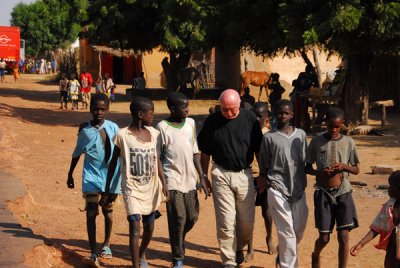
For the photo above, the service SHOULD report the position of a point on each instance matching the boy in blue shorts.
(143, 184)
(180, 157)
(95, 142)
(335, 156)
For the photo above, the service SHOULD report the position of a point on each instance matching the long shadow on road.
(119, 251)
(52, 117)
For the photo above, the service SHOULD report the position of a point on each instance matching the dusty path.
(36, 146)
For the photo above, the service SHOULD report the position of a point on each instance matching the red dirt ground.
(37, 139)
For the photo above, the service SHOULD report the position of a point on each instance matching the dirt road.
(36, 145)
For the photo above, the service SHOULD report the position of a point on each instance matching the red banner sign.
(9, 43)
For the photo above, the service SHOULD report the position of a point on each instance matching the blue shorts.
(2, 72)
(146, 219)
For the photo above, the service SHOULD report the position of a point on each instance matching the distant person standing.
(139, 83)
(302, 84)
(15, 72)
(21, 64)
(53, 66)
(98, 85)
(63, 91)
(48, 67)
(42, 66)
(277, 91)
(86, 81)
(247, 101)
(73, 88)
(3, 67)
(108, 86)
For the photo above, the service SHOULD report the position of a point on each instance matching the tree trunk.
(305, 57)
(171, 69)
(356, 90)
(317, 66)
(308, 62)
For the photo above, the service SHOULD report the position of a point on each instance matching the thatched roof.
(116, 52)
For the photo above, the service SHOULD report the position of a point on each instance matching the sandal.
(143, 263)
(91, 261)
(106, 253)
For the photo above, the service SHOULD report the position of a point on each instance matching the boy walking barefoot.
(180, 157)
(386, 223)
(261, 111)
(142, 181)
(335, 156)
(282, 161)
(73, 88)
(95, 142)
(63, 87)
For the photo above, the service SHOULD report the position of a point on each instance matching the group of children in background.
(162, 164)
(76, 91)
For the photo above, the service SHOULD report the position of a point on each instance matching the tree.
(49, 24)
(357, 30)
(178, 27)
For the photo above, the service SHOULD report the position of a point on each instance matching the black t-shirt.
(231, 143)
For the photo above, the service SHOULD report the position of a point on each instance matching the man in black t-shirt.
(231, 137)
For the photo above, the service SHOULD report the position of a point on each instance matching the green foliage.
(349, 27)
(347, 18)
(49, 24)
(173, 25)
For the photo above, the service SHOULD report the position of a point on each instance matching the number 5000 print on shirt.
(142, 162)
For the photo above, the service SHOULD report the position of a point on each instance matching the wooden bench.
(383, 104)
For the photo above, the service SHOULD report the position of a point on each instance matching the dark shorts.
(2, 72)
(326, 213)
(64, 95)
(146, 219)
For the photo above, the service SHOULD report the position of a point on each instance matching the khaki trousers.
(234, 203)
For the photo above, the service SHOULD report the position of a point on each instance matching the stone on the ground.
(382, 169)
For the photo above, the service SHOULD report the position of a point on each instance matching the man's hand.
(205, 185)
(70, 181)
(261, 183)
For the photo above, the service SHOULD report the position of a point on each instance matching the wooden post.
(100, 65)
(383, 121)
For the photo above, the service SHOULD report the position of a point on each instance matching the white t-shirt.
(141, 186)
(177, 145)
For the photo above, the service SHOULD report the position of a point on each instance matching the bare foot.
(314, 261)
(249, 256)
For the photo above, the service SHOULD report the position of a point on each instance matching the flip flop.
(143, 263)
(91, 261)
(106, 253)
